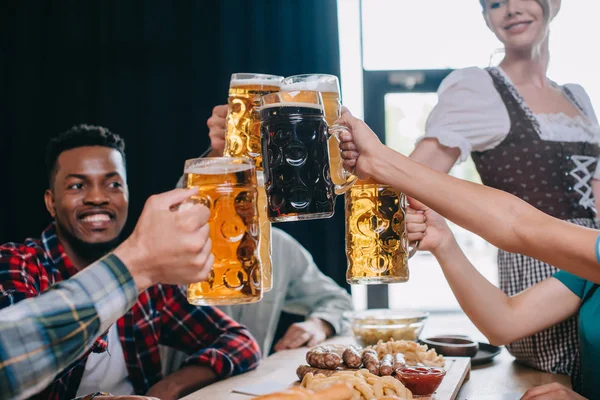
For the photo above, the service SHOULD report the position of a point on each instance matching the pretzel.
(366, 386)
(413, 352)
(339, 391)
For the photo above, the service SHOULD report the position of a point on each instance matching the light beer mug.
(242, 139)
(295, 137)
(329, 87)
(227, 186)
(377, 247)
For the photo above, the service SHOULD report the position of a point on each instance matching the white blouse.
(471, 115)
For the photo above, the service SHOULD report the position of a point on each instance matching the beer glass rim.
(278, 95)
(204, 162)
(251, 75)
(309, 75)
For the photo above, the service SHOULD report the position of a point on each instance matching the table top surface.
(501, 376)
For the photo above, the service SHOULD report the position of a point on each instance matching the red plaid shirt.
(161, 315)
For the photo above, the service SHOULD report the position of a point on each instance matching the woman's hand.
(426, 226)
(358, 145)
(552, 391)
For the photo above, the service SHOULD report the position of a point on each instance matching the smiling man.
(88, 199)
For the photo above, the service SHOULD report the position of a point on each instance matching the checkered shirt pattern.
(555, 349)
(160, 315)
(39, 338)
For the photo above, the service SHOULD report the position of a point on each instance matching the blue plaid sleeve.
(43, 335)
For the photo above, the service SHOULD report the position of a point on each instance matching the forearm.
(502, 219)
(183, 382)
(487, 306)
(331, 310)
(60, 325)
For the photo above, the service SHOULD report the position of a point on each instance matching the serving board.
(457, 372)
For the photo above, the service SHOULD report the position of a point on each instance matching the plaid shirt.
(161, 315)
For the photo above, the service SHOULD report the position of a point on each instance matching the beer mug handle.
(335, 130)
(413, 251)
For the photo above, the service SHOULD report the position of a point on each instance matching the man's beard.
(90, 251)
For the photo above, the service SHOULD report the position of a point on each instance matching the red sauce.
(421, 381)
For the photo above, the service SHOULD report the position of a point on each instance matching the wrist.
(375, 161)
(136, 261)
(325, 326)
(447, 247)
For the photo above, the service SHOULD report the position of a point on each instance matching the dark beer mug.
(295, 137)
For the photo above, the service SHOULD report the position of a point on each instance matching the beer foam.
(254, 82)
(294, 104)
(317, 85)
(217, 169)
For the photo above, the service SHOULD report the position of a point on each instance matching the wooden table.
(501, 376)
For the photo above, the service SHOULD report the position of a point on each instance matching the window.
(394, 53)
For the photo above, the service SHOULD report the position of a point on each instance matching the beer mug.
(377, 247)
(227, 186)
(242, 138)
(329, 87)
(265, 234)
(295, 147)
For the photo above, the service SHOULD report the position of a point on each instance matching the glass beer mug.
(376, 244)
(227, 186)
(329, 87)
(242, 139)
(296, 162)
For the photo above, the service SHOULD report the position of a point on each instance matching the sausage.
(323, 357)
(371, 361)
(351, 357)
(399, 361)
(385, 367)
(305, 369)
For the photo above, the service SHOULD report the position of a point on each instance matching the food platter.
(387, 370)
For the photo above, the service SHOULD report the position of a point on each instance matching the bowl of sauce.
(421, 381)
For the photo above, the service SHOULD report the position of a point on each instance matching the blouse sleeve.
(588, 109)
(584, 101)
(470, 114)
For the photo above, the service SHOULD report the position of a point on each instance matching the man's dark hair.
(80, 136)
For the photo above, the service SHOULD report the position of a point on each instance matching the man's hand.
(169, 246)
(126, 398)
(216, 130)
(552, 391)
(310, 332)
(183, 382)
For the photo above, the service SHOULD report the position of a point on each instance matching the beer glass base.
(223, 301)
(290, 218)
(376, 280)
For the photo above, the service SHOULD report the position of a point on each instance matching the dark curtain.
(150, 71)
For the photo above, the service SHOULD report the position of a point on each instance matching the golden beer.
(227, 186)
(243, 121)
(329, 87)
(242, 139)
(376, 242)
(265, 234)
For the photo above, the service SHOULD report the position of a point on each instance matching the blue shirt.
(589, 331)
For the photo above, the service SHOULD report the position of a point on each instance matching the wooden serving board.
(458, 370)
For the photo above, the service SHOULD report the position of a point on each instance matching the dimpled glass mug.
(377, 248)
(227, 186)
(297, 167)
